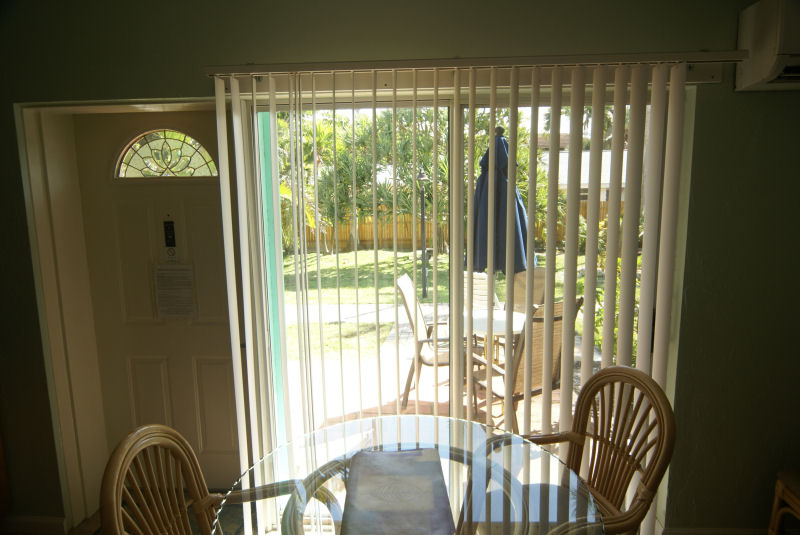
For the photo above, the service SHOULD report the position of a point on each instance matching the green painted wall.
(738, 363)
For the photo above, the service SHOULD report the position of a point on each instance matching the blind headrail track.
(699, 61)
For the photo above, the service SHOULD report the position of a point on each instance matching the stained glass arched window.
(165, 153)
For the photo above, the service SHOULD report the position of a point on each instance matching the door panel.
(205, 246)
(148, 386)
(157, 366)
(133, 241)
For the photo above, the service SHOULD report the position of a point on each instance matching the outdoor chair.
(427, 351)
(480, 291)
(153, 478)
(515, 366)
(480, 301)
(520, 286)
(624, 421)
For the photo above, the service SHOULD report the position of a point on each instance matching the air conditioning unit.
(770, 31)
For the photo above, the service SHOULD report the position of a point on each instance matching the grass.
(322, 277)
(331, 289)
(351, 341)
(325, 287)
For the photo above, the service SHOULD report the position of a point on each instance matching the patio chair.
(521, 283)
(514, 367)
(480, 291)
(153, 479)
(480, 301)
(625, 422)
(426, 350)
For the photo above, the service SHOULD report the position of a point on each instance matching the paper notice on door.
(174, 291)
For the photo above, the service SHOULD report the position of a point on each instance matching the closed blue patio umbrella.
(481, 212)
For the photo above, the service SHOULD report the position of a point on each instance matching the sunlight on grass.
(324, 285)
(350, 336)
(328, 288)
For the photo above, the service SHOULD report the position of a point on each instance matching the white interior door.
(156, 266)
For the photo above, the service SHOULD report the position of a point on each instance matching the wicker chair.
(626, 422)
(479, 376)
(786, 500)
(153, 478)
(426, 350)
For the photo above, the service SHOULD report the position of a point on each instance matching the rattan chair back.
(624, 419)
(151, 480)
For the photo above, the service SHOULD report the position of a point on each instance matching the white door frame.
(46, 141)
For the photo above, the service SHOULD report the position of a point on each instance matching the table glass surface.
(309, 484)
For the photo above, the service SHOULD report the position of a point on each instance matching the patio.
(361, 397)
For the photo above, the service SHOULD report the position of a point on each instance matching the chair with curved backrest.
(426, 349)
(153, 478)
(479, 377)
(150, 482)
(624, 420)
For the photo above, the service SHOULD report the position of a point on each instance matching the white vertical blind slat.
(260, 419)
(295, 168)
(457, 249)
(434, 227)
(631, 214)
(550, 252)
(354, 224)
(593, 220)
(613, 226)
(415, 210)
(490, 232)
(653, 173)
(571, 246)
(263, 363)
(244, 193)
(394, 240)
(231, 276)
(335, 173)
(378, 379)
(669, 216)
(317, 248)
(273, 119)
(652, 190)
(468, 298)
(511, 209)
(533, 168)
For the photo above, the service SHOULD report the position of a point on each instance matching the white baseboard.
(713, 531)
(29, 525)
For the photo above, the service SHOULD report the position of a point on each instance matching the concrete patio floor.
(378, 386)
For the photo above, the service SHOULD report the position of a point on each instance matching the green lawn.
(343, 289)
(323, 279)
(350, 340)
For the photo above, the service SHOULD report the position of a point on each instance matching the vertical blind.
(324, 160)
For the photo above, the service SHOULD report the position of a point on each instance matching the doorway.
(115, 359)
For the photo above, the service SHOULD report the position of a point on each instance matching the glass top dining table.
(409, 474)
